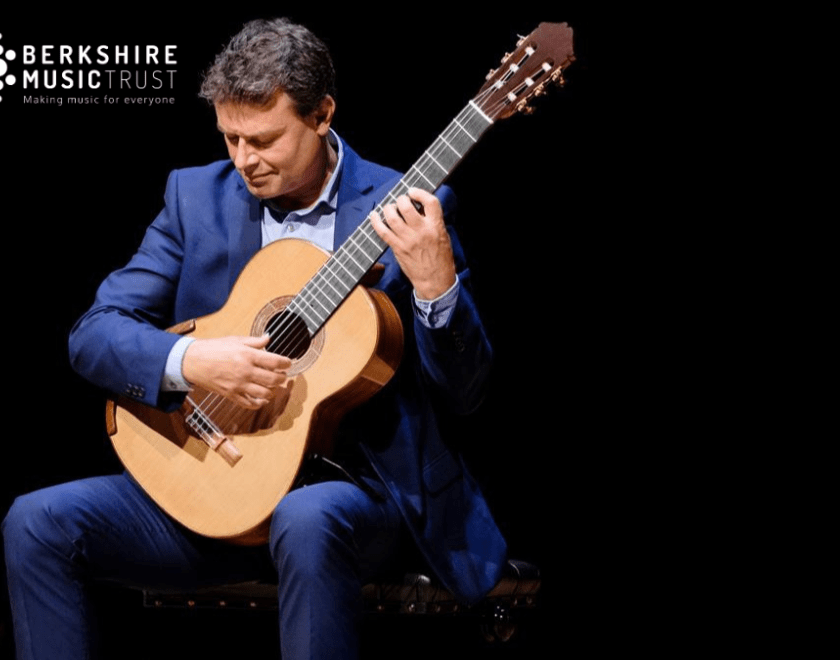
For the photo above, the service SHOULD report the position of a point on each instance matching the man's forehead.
(255, 118)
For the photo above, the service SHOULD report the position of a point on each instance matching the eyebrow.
(256, 136)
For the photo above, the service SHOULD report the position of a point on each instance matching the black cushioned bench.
(410, 594)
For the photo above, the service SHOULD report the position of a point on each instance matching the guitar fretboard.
(337, 278)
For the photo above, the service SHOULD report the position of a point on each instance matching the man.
(288, 175)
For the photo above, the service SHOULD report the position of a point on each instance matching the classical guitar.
(220, 469)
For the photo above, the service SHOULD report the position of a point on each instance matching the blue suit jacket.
(185, 268)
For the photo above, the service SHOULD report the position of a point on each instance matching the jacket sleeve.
(456, 358)
(120, 344)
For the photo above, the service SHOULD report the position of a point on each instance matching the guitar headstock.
(538, 60)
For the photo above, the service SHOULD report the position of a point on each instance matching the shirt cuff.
(173, 376)
(436, 313)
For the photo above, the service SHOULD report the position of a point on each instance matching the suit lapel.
(356, 194)
(245, 237)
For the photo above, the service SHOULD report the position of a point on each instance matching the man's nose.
(246, 157)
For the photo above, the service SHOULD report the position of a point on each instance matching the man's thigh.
(111, 530)
(338, 520)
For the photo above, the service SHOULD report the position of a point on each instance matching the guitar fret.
(480, 112)
(463, 128)
(370, 253)
(444, 157)
(318, 289)
(310, 317)
(478, 119)
(424, 177)
(370, 235)
(315, 299)
(434, 160)
(360, 265)
(400, 189)
(345, 266)
(337, 281)
(329, 282)
(462, 138)
(442, 139)
(324, 295)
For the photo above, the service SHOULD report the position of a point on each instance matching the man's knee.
(307, 515)
(308, 527)
(32, 527)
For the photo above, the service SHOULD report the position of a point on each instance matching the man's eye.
(233, 139)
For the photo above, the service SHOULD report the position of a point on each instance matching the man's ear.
(322, 115)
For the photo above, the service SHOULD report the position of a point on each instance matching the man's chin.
(260, 189)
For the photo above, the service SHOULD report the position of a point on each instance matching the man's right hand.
(237, 368)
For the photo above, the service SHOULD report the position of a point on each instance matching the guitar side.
(349, 359)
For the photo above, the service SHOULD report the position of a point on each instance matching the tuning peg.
(520, 41)
(490, 74)
(557, 77)
(524, 108)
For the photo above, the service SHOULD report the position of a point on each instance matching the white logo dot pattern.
(5, 77)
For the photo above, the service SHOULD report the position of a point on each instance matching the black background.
(539, 200)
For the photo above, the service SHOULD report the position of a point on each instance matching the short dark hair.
(271, 56)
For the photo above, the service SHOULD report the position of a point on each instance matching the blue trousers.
(326, 539)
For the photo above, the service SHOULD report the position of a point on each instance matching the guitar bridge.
(207, 431)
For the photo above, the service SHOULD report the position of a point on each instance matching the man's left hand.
(419, 241)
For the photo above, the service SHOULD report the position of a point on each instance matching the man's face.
(278, 153)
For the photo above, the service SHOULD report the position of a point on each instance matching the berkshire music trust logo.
(5, 79)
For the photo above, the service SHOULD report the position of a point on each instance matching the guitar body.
(347, 361)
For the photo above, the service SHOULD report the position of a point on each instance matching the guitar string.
(280, 328)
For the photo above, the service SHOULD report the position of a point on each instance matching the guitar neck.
(337, 278)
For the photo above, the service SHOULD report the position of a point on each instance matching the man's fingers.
(256, 342)
(423, 196)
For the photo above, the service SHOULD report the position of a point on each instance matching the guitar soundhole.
(289, 335)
